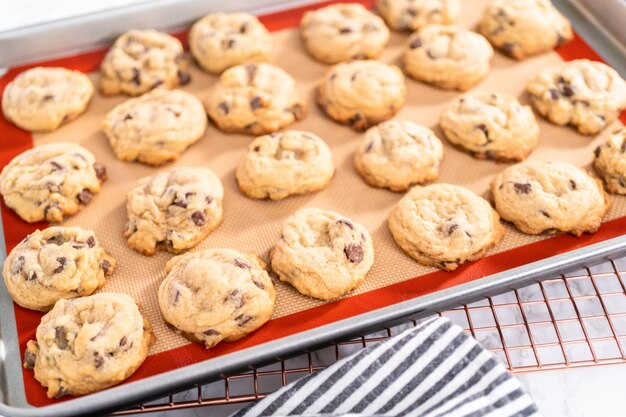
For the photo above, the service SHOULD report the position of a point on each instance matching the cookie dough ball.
(410, 15)
(88, 344)
(221, 40)
(41, 99)
(255, 99)
(361, 93)
(174, 210)
(585, 94)
(447, 57)
(141, 60)
(215, 295)
(444, 225)
(341, 32)
(322, 254)
(610, 162)
(520, 28)
(550, 197)
(491, 126)
(55, 263)
(398, 154)
(285, 163)
(155, 128)
(51, 181)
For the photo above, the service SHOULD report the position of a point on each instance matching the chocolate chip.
(228, 43)
(18, 265)
(105, 265)
(176, 297)
(545, 213)
(208, 199)
(156, 84)
(257, 148)
(508, 48)
(55, 240)
(573, 184)
(258, 284)
(85, 196)
(567, 90)
(597, 151)
(345, 30)
(33, 276)
(101, 171)
(243, 319)
(48, 97)
(452, 228)
(199, 218)
(369, 146)
(554, 94)
(241, 264)
(180, 202)
(416, 43)
(98, 360)
(522, 188)
(62, 261)
(622, 183)
(346, 222)
(123, 341)
(354, 253)
(60, 338)
(136, 77)
(355, 119)
(184, 77)
(29, 359)
(483, 128)
(50, 207)
(623, 147)
(243, 28)
(224, 106)
(62, 392)
(211, 332)
(255, 103)
(56, 166)
(238, 299)
(251, 69)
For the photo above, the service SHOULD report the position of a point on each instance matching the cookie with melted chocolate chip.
(610, 162)
(88, 344)
(550, 197)
(51, 181)
(174, 210)
(322, 254)
(444, 225)
(216, 295)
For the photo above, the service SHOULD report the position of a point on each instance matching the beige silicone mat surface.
(253, 226)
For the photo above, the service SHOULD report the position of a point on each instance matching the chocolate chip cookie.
(361, 93)
(610, 162)
(174, 210)
(141, 60)
(410, 15)
(444, 225)
(42, 99)
(285, 163)
(215, 295)
(155, 128)
(341, 32)
(322, 254)
(398, 154)
(585, 94)
(491, 126)
(55, 263)
(51, 181)
(447, 57)
(255, 99)
(550, 197)
(221, 40)
(88, 344)
(520, 28)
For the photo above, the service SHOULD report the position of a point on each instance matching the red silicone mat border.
(14, 141)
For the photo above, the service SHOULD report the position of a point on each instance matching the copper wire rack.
(572, 320)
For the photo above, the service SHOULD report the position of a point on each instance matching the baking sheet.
(251, 225)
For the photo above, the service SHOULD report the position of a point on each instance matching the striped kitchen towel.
(433, 370)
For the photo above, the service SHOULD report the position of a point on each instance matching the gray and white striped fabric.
(433, 370)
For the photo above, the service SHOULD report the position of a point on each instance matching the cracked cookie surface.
(585, 94)
(255, 99)
(55, 263)
(88, 344)
(491, 126)
(174, 210)
(41, 99)
(156, 127)
(410, 15)
(216, 294)
(444, 225)
(610, 162)
(447, 57)
(520, 28)
(141, 60)
(322, 253)
(549, 197)
(221, 40)
(341, 32)
(361, 94)
(285, 163)
(51, 181)
(398, 154)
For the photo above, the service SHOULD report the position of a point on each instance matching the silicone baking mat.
(254, 226)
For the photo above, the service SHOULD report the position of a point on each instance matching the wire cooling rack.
(572, 320)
